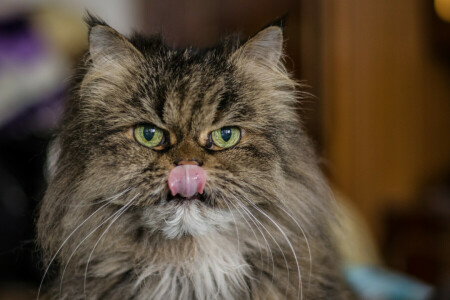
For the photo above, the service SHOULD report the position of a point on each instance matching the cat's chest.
(216, 269)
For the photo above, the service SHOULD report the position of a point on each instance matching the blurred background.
(379, 71)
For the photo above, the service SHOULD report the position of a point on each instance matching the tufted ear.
(108, 48)
(266, 47)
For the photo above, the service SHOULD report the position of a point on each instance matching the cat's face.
(142, 109)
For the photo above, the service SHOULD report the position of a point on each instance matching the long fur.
(106, 226)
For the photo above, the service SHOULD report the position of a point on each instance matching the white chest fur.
(216, 270)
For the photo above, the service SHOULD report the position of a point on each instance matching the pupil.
(148, 133)
(225, 133)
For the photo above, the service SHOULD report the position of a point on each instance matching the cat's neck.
(210, 266)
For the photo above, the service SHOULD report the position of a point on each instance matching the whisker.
(235, 225)
(300, 294)
(251, 228)
(264, 237)
(88, 204)
(70, 235)
(278, 245)
(79, 245)
(307, 244)
(120, 213)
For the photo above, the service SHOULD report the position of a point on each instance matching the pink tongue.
(187, 180)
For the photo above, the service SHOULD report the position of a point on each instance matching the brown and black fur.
(266, 203)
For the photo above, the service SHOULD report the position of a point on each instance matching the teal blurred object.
(376, 283)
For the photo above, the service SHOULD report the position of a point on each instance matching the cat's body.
(260, 228)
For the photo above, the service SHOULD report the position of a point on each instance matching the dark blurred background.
(379, 71)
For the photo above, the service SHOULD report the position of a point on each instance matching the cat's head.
(185, 135)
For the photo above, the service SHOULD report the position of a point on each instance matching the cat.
(185, 174)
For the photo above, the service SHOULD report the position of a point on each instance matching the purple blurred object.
(18, 42)
(32, 87)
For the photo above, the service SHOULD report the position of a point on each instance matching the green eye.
(148, 135)
(226, 137)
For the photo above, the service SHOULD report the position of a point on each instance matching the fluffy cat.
(185, 174)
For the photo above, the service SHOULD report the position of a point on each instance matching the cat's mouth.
(180, 199)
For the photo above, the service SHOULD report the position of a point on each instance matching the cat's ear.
(266, 47)
(108, 48)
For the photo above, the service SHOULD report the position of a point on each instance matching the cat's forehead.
(190, 90)
(194, 67)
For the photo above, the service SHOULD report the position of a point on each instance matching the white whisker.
(113, 198)
(235, 225)
(79, 245)
(307, 244)
(276, 242)
(251, 228)
(250, 215)
(120, 213)
(300, 294)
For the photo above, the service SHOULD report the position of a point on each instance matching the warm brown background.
(386, 114)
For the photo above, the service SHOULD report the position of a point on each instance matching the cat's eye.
(226, 137)
(149, 135)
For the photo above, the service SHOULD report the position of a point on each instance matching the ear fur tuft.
(93, 20)
(278, 22)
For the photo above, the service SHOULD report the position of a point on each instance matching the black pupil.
(149, 132)
(225, 133)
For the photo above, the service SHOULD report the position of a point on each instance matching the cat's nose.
(187, 180)
(193, 161)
